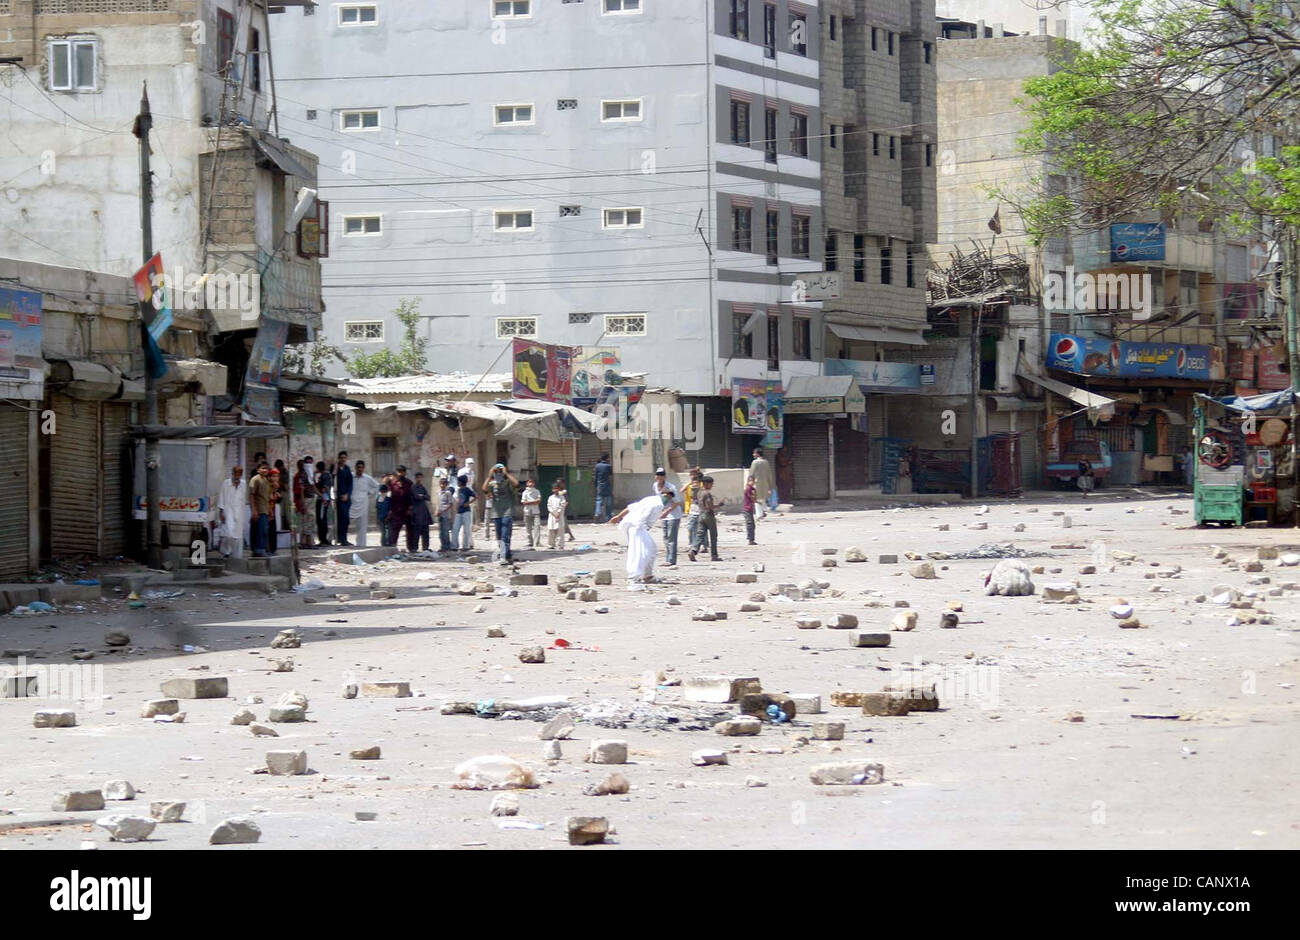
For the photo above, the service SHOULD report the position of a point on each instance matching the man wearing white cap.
(672, 519)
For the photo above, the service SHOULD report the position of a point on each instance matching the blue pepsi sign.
(1137, 241)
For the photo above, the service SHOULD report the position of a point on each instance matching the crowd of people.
(326, 501)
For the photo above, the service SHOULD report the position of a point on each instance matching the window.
(773, 342)
(625, 324)
(511, 9)
(893, 143)
(570, 211)
(741, 231)
(740, 122)
(566, 104)
(834, 137)
(622, 218)
(802, 338)
(874, 33)
(225, 40)
(798, 34)
(769, 30)
(891, 42)
(800, 227)
(859, 259)
(513, 114)
(516, 326)
(886, 265)
(925, 47)
(72, 64)
(358, 14)
(359, 120)
(622, 6)
(798, 134)
(739, 23)
(911, 270)
(773, 236)
(364, 331)
(311, 112)
(875, 144)
(255, 60)
(832, 251)
(769, 135)
(626, 110)
(362, 225)
(742, 343)
(929, 154)
(834, 29)
(512, 221)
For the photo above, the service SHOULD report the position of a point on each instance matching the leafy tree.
(311, 358)
(1168, 110)
(411, 357)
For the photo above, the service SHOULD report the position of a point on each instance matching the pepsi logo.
(1066, 348)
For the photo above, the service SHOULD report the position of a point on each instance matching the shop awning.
(85, 380)
(169, 432)
(824, 394)
(275, 153)
(1077, 395)
(902, 335)
(1148, 411)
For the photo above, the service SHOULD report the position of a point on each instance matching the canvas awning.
(574, 419)
(545, 426)
(878, 334)
(168, 432)
(1007, 403)
(1079, 396)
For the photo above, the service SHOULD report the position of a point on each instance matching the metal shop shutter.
(590, 447)
(851, 456)
(14, 530)
(558, 453)
(811, 451)
(74, 478)
(115, 511)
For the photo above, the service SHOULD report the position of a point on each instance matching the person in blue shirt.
(604, 487)
(463, 532)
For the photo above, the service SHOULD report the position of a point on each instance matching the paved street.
(997, 765)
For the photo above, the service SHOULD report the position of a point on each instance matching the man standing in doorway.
(501, 488)
(604, 474)
(232, 507)
(761, 471)
(343, 496)
(361, 500)
(259, 500)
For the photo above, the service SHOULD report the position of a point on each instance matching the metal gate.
(810, 452)
(114, 510)
(15, 531)
(75, 479)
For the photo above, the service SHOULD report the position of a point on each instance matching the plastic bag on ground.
(493, 772)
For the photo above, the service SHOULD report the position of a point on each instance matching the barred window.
(516, 326)
(364, 331)
(625, 324)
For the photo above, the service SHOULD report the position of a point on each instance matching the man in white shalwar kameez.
(635, 522)
(364, 490)
(232, 510)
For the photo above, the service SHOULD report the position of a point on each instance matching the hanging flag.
(995, 223)
(155, 312)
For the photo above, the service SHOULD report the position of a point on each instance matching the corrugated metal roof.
(446, 384)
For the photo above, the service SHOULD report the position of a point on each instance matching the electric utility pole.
(152, 455)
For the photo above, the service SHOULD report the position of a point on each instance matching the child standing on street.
(747, 506)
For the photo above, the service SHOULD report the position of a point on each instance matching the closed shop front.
(115, 418)
(809, 451)
(852, 453)
(72, 500)
(15, 533)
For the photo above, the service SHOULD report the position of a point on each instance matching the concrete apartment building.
(706, 186)
(1204, 287)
